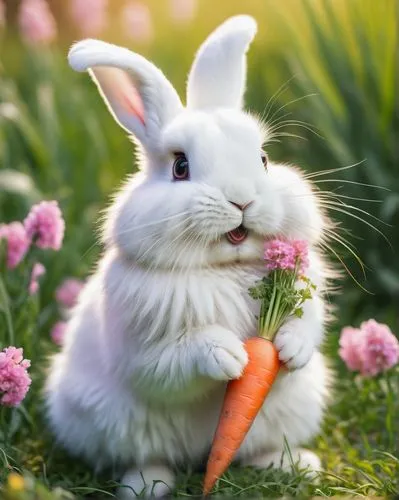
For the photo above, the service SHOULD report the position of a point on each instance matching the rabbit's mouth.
(237, 235)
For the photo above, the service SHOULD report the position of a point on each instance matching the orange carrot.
(286, 262)
(243, 399)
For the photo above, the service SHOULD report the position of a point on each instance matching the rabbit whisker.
(332, 170)
(334, 195)
(330, 206)
(330, 249)
(292, 102)
(269, 125)
(344, 181)
(276, 94)
(288, 134)
(339, 203)
(295, 123)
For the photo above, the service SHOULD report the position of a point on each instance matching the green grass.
(57, 141)
(358, 446)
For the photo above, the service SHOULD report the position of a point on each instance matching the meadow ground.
(358, 447)
(320, 71)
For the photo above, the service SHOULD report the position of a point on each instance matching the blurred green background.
(321, 72)
(323, 75)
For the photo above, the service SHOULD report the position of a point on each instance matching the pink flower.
(2, 13)
(36, 22)
(58, 332)
(370, 349)
(37, 271)
(350, 342)
(282, 254)
(18, 242)
(45, 223)
(89, 15)
(137, 23)
(301, 254)
(68, 292)
(14, 378)
(380, 348)
(183, 11)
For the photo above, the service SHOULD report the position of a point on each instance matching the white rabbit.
(158, 329)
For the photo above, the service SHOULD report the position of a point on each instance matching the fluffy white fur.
(220, 58)
(158, 329)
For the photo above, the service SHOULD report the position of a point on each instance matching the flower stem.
(390, 411)
(264, 319)
(276, 306)
(5, 306)
(4, 425)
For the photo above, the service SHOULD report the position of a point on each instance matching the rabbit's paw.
(152, 481)
(224, 356)
(294, 344)
(297, 458)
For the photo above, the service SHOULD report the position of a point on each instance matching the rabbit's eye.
(265, 159)
(181, 169)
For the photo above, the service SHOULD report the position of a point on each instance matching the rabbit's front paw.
(224, 356)
(294, 344)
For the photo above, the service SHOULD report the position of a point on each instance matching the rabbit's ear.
(136, 92)
(217, 77)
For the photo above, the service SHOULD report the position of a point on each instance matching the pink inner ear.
(132, 103)
(120, 91)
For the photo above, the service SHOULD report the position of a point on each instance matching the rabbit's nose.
(241, 207)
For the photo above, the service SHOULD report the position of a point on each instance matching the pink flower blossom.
(282, 254)
(67, 293)
(183, 11)
(14, 378)
(18, 242)
(37, 271)
(89, 15)
(380, 348)
(301, 254)
(58, 332)
(45, 223)
(370, 349)
(350, 343)
(2, 13)
(136, 21)
(36, 22)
